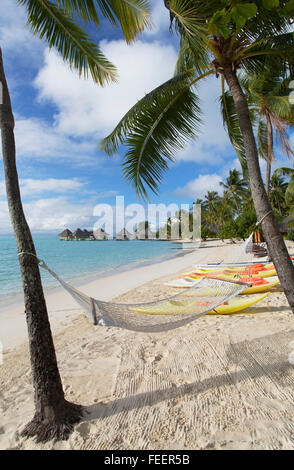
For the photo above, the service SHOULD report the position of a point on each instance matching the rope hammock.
(163, 315)
(204, 296)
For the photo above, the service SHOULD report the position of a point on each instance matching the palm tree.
(54, 21)
(235, 188)
(268, 95)
(214, 41)
(211, 205)
(289, 194)
(278, 187)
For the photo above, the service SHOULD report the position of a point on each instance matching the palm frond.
(274, 51)
(85, 10)
(281, 127)
(129, 121)
(192, 55)
(131, 15)
(164, 129)
(70, 40)
(231, 124)
(159, 125)
(262, 139)
(284, 171)
(281, 106)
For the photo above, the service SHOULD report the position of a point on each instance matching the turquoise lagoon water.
(76, 260)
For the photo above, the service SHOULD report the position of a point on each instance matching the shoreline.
(78, 281)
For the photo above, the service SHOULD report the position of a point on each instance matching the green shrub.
(229, 229)
(290, 235)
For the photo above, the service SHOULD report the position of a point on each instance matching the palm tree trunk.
(53, 414)
(275, 242)
(270, 153)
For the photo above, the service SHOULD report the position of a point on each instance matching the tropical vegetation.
(222, 217)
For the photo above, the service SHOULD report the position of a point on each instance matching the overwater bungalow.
(100, 234)
(79, 234)
(124, 235)
(146, 235)
(65, 235)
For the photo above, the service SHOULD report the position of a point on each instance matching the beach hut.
(87, 233)
(80, 234)
(146, 235)
(65, 235)
(124, 235)
(286, 225)
(100, 234)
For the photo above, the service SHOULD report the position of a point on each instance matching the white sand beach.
(221, 382)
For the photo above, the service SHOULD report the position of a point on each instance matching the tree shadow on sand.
(265, 357)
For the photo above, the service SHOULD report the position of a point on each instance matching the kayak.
(237, 305)
(255, 267)
(234, 266)
(258, 285)
(264, 273)
(186, 307)
(270, 282)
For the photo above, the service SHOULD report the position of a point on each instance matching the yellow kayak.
(232, 268)
(254, 289)
(237, 304)
(187, 307)
(271, 282)
(188, 282)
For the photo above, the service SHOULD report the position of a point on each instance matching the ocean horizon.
(75, 261)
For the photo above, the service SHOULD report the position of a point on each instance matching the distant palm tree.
(278, 187)
(289, 194)
(235, 188)
(58, 22)
(211, 205)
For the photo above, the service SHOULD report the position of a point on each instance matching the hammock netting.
(163, 315)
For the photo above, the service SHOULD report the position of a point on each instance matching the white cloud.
(52, 214)
(33, 187)
(198, 187)
(84, 108)
(160, 19)
(212, 142)
(37, 139)
(15, 36)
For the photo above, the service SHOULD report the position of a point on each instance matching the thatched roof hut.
(286, 225)
(80, 234)
(146, 235)
(65, 235)
(100, 234)
(124, 235)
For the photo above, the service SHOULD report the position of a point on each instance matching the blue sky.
(60, 120)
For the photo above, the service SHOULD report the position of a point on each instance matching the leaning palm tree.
(216, 38)
(268, 94)
(59, 23)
